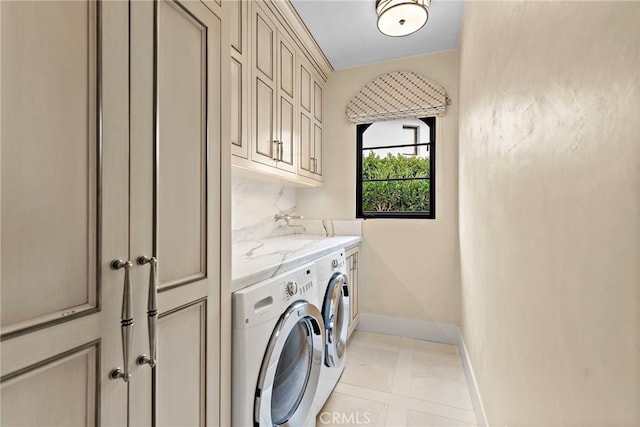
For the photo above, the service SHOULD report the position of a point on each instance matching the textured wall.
(549, 210)
(410, 267)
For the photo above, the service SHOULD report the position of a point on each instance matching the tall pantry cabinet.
(110, 127)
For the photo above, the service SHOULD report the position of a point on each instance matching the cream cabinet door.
(265, 147)
(175, 209)
(286, 96)
(306, 165)
(240, 81)
(310, 121)
(64, 211)
(110, 137)
(318, 140)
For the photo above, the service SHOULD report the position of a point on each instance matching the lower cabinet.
(352, 266)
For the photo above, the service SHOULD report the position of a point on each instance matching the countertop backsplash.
(330, 227)
(255, 203)
(253, 206)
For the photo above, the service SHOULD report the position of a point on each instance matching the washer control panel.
(338, 262)
(292, 288)
(328, 265)
(299, 285)
(268, 299)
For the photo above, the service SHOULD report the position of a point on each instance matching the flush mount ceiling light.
(401, 17)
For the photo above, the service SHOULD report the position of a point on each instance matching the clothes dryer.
(332, 282)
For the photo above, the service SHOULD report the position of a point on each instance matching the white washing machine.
(332, 281)
(278, 351)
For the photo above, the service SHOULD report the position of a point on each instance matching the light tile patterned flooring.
(395, 381)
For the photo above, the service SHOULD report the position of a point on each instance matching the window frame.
(360, 129)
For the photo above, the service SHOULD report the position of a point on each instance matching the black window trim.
(360, 129)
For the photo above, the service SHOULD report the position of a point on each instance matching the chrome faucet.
(287, 217)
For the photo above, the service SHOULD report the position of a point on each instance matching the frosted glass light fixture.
(401, 17)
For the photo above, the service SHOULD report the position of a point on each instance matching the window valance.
(397, 95)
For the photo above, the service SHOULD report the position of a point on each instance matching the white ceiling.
(346, 31)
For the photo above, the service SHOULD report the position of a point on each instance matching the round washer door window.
(290, 369)
(336, 319)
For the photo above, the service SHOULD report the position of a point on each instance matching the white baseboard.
(402, 327)
(474, 391)
(429, 331)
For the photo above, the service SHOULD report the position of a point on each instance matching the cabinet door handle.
(152, 312)
(126, 322)
(275, 150)
(315, 165)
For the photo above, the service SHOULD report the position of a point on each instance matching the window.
(396, 169)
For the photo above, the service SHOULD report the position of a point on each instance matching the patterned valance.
(398, 95)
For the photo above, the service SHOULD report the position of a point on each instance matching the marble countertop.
(260, 259)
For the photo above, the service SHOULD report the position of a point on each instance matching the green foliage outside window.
(395, 196)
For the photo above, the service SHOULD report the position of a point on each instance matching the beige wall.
(549, 210)
(410, 267)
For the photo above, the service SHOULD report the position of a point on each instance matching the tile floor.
(394, 381)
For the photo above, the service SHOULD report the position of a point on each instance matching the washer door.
(291, 368)
(335, 312)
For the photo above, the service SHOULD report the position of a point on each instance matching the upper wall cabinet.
(277, 88)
